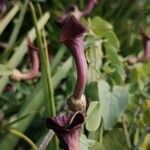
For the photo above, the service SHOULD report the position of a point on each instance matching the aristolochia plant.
(67, 124)
(146, 50)
(34, 58)
(146, 45)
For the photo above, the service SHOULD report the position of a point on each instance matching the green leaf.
(93, 116)
(92, 91)
(94, 55)
(97, 146)
(15, 32)
(145, 117)
(100, 25)
(115, 140)
(111, 39)
(10, 15)
(104, 29)
(146, 90)
(112, 103)
(85, 143)
(115, 61)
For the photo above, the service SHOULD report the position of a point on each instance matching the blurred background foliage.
(118, 116)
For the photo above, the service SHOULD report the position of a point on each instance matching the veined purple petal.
(67, 129)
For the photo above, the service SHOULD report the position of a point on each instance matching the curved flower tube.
(146, 44)
(72, 37)
(33, 53)
(89, 7)
(146, 54)
(3, 6)
(67, 129)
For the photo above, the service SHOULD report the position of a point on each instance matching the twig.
(21, 135)
(126, 132)
(46, 140)
(101, 132)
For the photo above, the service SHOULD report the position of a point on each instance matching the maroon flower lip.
(34, 58)
(67, 129)
(146, 44)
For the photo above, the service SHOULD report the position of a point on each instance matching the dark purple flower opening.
(146, 44)
(67, 129)
(72, 37)
(34, 58)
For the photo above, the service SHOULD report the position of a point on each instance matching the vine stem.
(101, 133)
(46, 140)
(46, 75)
(126, 132)
(21, 135)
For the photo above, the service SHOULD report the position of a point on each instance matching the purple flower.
(146, 44)
(3, 6)
(72, 36)
(67, 129)
(33, 53)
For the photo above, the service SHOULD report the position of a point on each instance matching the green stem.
(101, 132)
(10, 15)
(15, 32)
(21, 135)
(126, 132)
(46, 74)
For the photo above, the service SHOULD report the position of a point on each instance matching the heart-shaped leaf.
(112, 103)
(93, 116)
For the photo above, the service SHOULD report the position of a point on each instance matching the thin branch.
(21, 135)
(126, 132)
(46, 140)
